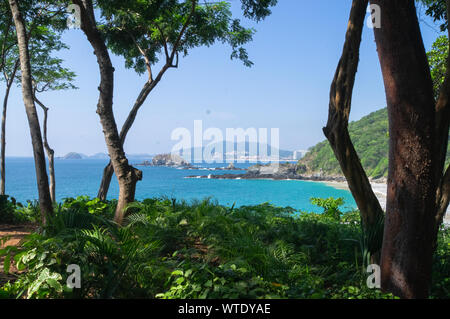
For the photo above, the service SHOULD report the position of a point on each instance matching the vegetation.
(161, 248)
(419, 123)
(371, 140)
(169, 249)
(370, 135)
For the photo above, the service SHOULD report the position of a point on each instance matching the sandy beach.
(380, 191)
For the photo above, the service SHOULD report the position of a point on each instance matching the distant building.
(299, 154)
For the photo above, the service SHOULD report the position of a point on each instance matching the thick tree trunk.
(9, 83)
(127, 175)
(337, 128)
(409, 235)
(50, 152)
(45, 201)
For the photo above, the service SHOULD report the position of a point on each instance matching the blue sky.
(295, 51)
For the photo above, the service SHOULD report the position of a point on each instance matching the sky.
(295, 52)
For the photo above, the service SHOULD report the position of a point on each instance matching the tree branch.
(183, 30)
(336, 130)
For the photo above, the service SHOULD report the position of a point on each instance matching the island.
(166, 160)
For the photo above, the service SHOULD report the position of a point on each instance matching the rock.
(171, 160)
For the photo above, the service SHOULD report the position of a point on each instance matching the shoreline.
(380, 190)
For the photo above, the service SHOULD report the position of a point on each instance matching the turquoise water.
(82, 177)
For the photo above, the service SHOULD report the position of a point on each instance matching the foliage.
(437, 58)
(12, 212)
(437, 9)
(144, 31)
(371, 140)
(45, 20)
(330, 206)
(170, 249)
(370, 135)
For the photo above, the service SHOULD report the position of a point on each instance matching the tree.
(175, 22)
(47, 72)
(146, 32)
(127, 175)
(419, 126)
(337, 133)
(49, 75)
(418, 191)
(45, 201)
(9, 64)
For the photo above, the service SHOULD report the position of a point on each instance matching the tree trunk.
(409, 235)
(146, 90)
(441, 141)
(45, 201)
(337, 133)
(127, 175)
(50, 152)
(9, 83)
(3, 142)
(108, 170)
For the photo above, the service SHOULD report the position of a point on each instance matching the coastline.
(380, 190)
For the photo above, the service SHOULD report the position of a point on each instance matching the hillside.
(371, 140)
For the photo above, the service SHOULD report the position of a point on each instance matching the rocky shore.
(290, 171)
(282, 171)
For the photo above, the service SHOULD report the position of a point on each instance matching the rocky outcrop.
(167, 160)
(276, 171)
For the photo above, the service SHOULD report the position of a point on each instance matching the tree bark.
(108, 170)
(336, 130)
(127, 175)
(50, 152)
(409, 235)
(45, 201)
(441, 141)
(146, 90)
(9, 83)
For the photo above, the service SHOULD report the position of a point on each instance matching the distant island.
(73, 156)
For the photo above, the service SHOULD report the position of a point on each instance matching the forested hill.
(370, 138)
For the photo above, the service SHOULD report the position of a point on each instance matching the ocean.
(82, 177)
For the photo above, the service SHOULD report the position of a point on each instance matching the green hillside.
(371, 140)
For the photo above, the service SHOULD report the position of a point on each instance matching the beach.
(380, 190)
